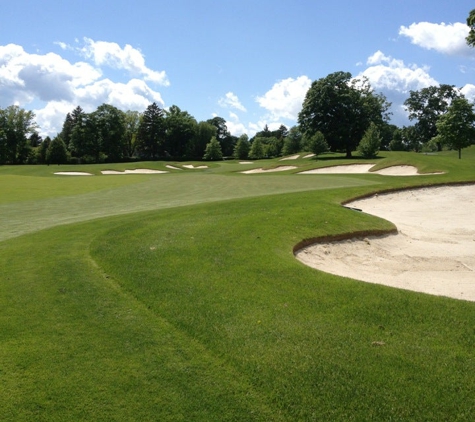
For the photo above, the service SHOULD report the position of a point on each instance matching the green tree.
(42, 149)
(273, 146)
(397, 143)
(57, 153)
(213, 150)
(132, 122)
(256, 152)
(70, 121)
(16, 124)
(342, 109)
(426, 106)
(317, 143)
(180, 131)
(110, 126)
(241, 149)
(457, 127)
(85, 141)
(204, 132)
(370, 143)
(471, 24)
(226, 140)
(293, 141)
(151, 133)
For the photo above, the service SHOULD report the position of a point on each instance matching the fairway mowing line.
(154, 193)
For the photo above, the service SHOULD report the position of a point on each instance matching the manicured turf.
(197, 310)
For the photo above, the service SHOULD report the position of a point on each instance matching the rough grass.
(197, 310)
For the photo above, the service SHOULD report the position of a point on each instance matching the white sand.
(349, 169)
(168, 166)
(292, 157)
(73, 173)
(366, 168)
(191, 166)
(309, 156)
(135, 171)
(245, 162)
(261, 170)
(434, 251)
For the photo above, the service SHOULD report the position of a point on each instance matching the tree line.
(339, 114)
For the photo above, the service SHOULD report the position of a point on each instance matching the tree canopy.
(471, 24)
(426, 106)
(342, 109)
(457, 127)
(16, 124)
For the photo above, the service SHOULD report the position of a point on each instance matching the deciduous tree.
(57, 152)
(426, 106)
(241, 149)
(342, 109)
(180, 130)
(457, 127)
(471, 24)
(16, 124)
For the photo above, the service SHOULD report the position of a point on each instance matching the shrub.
(370, 143)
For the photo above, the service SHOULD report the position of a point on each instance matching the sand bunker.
(73, 173)
(261, 170)
(433, 252)
(366, 168)
(168, 166)
(309, 156)
(245, 162)
(293, 157)
(135, 171)
(191, 166)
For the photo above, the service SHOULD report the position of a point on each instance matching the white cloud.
(444, 38)
(235, 127)
(128, 58)
(386, 73)
(469, 92)
(59, 85)
(284, 100)
(395, 79)
(48, 77)
(232, 101)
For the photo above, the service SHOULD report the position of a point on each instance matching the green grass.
(184, 301)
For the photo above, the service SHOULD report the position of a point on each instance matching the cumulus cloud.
(110, 54)
(48, 77)
(232, 101)
(60, 85)
(235, 127)
(284, 100)
(444, 38)
(387, 73)
(395, 79)
(469, 92)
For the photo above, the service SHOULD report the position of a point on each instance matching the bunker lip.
(261, 170)
(134, 171)
(73, 173)
(402, 170)
(432, 251)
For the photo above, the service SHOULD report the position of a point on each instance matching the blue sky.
(250, 62)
